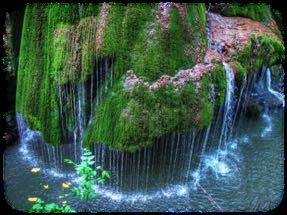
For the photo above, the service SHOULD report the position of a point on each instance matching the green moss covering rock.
(131, 120)
(256, 11)
(59, 48)
(262, 50)
(36, 87)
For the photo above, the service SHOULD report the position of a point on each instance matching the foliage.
(41, 207)
(88, 176)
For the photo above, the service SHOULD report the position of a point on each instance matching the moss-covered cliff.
(170, 87)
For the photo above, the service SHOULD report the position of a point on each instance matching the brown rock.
(228, 34)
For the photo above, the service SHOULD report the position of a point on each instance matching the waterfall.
(228, 106)
(279, 96)
(172, 158)
(239, 103)
(204, 146)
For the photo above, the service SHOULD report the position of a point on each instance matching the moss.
(268, 52)
(271, 51)
(64, 69)
(159, 51)
(89, 9)
(130, 121)
(255, 11)
(36, 87)
(108, 113)
(172, 43)
(195, 33)
(205, 106)
(218, 78)
(86, 30)
(134, 21)
(112, 31)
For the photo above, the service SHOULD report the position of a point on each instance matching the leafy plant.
(41, 207)
(88, 176)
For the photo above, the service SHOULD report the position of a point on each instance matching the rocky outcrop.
(212, 55)
(228, 34)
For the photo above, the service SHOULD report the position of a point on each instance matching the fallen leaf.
(32, 199)
(35, 169)
(66, 185)
(46, 186)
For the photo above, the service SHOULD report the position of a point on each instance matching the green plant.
(41, 207)
(88, 176)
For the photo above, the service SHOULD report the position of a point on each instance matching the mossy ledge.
(261, 50)
(260, 12)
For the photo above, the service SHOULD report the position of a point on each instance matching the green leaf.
(50, 207)
(88, 184)
(101, 181)
(68, 161)
(40, 201)
(87, 153)
(105, 174)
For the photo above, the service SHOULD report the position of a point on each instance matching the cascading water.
(228, 106)
(216, 159)
(146, 169)
(76, 105)
(280, 96)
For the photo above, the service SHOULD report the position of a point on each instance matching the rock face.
(227, 34)
(212, 55)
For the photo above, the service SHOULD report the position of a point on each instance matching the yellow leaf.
(60, 197)
(46, 186)
(32, 199)
(64, 202)
(66, 185)
(35, 169)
